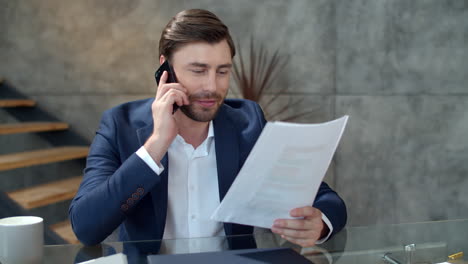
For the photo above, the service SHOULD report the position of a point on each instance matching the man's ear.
(162, 59)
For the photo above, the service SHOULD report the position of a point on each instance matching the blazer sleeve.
(332, 206)
(110, 188)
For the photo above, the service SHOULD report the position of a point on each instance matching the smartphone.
(171, 78)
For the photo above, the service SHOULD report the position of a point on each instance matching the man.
(158, 174)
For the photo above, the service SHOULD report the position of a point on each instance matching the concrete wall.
(399, 68)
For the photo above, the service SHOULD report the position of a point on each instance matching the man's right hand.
(164, 124)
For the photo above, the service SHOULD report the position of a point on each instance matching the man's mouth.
(206, 102)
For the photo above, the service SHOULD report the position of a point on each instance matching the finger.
(294, 233)
(173, 86)
(305, 212)
(175, 96)
(301, 242)
(184, 98)
(163, 79)
(300, 224)
(162, 90)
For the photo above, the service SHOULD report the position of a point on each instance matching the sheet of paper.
(283, 171)
(113, 259)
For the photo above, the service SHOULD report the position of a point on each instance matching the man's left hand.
(304, 232)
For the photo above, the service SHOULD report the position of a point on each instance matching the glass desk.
(427, 242)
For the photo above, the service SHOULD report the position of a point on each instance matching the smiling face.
(204, 69)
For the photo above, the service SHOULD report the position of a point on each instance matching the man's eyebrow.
(227, 65)
(205, 65)
(198, 64)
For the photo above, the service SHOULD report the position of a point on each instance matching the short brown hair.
(191, 26)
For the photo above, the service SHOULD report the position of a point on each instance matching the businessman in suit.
(157, 174)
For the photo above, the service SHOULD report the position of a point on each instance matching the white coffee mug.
(21, 240)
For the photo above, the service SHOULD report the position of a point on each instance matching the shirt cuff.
(146, 157)
(330, 227)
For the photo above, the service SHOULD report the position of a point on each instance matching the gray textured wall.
(398, 67)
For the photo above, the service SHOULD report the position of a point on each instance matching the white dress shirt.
(193, 192)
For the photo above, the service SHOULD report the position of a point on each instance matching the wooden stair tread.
(26, 127)
(17, 103)
(36, 157)
(65, 231)
(45, 194)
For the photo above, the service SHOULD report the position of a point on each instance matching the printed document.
(283, 171)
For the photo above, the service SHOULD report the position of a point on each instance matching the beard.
(199, 113)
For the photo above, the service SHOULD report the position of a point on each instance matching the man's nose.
(210, 84)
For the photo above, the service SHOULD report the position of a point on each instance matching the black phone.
(171, 78)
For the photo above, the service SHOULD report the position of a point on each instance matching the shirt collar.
(204, 148)
(210, 138)
(210, 130)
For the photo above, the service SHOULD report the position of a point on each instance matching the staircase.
(31, 199)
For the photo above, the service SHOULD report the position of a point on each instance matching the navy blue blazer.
(120, 190)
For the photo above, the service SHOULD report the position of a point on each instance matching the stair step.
(36, 157)
(65, 231)
(45, 194)
(32, 127)
(17, 103)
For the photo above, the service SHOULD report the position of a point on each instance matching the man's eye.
(198, 71)
(223, 72)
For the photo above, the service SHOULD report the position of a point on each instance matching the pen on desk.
(458, 255)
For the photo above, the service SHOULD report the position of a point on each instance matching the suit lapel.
(144, 133)
(227, 155)
(227, 151)
(145, 130)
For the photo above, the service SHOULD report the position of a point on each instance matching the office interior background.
(399, 68)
